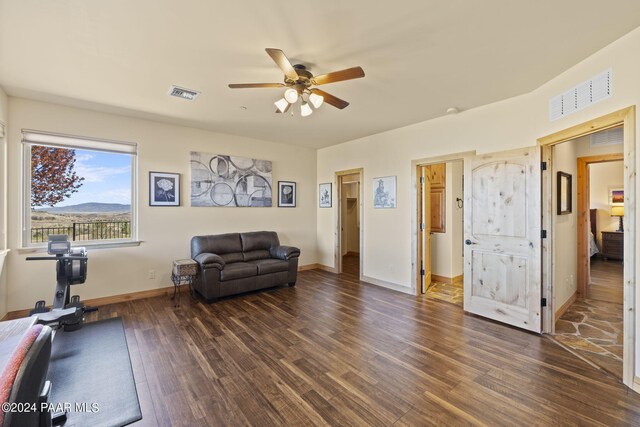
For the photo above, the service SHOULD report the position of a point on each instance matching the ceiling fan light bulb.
(305, 109)
(291, 95)
(316, 100)
(282, 105)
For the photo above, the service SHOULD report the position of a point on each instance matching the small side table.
(184, 272)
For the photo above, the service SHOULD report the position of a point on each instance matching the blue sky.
(107, 178)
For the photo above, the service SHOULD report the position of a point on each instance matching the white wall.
(389, 238)
(565, 241)
(446, 248)
(512, 123)
(602, 177)
(165, 232)
(565, 233)
(4, 114)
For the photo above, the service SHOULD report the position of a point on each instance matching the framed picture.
(220, 180)
(164, 189)
(325, 195)
(616, 196)
(564, 193)
(286, 194)
(384, 192)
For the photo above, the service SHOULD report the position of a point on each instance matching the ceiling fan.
(300, 84)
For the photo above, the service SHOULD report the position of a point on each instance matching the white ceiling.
(420, 57)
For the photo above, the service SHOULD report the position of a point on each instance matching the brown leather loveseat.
(240, 262)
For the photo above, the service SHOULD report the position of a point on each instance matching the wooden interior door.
(425, 228)
(502, 257)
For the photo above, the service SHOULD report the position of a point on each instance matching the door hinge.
(543, 166)
(543, 302)
(543, 234)
(422, 272)
(422, 227)
(422, 180)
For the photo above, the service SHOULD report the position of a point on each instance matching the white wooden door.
(502, 257)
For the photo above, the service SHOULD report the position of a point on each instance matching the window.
(81, 187)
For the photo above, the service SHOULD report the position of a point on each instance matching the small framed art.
(564, 193)
(325, 195)
(164, 189)
(286, 194)
(616, 196)
(384, 193)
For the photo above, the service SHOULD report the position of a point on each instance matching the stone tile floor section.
(593, 329)
(449, 292)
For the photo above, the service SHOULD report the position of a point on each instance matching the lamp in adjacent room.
(619, 212)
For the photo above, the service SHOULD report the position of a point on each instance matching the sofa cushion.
(217, 244)
(259, 254)
(238, 270)
(266, 266)
(232, 257)
(259, 240)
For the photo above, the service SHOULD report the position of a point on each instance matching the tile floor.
(449, 292)
(593, 329)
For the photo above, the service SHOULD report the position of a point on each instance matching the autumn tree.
(53, 175)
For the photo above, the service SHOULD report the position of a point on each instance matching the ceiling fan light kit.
(291, 95)
(299, 82)
(305, 109)
(282, 105)
(316, 100)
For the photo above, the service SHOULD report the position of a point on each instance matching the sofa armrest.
(209, 260)
(284, 252)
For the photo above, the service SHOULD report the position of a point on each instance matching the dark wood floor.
(607, 278)
(332, 351)
(351, 265)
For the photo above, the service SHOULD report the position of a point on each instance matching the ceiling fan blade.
(338, 76)
(249, 85)
(281, 61)
(330, 99)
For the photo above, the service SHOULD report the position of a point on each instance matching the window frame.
(57, 140)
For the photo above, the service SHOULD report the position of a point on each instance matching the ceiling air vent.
(183, 93)
(581, 96)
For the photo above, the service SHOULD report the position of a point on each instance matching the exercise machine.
(71, 269)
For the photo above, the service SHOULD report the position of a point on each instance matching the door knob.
(469, 242)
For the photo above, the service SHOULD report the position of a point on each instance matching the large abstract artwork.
(218, 180)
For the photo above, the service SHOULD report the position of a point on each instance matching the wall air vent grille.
(607, 137)
(183, 93)
(581, 96)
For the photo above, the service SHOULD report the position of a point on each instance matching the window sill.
(92, 245)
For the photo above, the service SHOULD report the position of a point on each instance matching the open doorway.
(440, 227)
(349, 237)
(588, 246)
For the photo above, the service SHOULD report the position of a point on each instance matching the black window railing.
(79, 231)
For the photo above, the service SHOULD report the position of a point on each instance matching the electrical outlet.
(152, 274)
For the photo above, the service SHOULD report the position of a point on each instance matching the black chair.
(29, 388)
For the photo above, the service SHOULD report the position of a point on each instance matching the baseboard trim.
(636, 384)
(566, 306)
(388, 285)
(447, 280)
(327, 268)
(97, 302)
(307, 267)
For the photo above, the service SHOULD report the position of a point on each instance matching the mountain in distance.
(88, 208)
